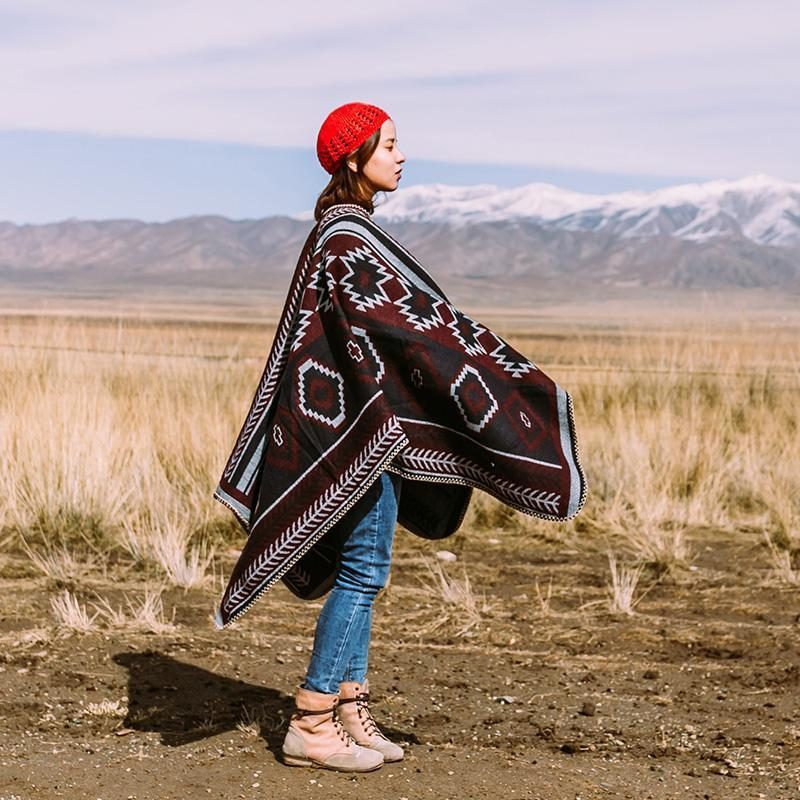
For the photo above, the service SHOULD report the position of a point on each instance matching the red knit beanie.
(346, 128)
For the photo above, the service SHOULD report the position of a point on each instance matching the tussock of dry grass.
(256, 721)
(169, 544)
(544, 598)
(58, 563)
(783, 564)
(113, 709)
(71, 615)
(458, 608)
(624, 582)
(145, 616)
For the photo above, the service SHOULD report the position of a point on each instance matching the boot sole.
(296, 761)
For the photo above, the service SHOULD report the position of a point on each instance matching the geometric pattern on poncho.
(474, 400)
(372, 368)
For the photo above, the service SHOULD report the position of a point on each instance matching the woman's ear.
(353, 164)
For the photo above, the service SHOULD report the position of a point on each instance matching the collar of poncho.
(372, 368)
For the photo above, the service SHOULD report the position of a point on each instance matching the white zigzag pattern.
(303, 322)
(438, 462)
(362, 334)
(322, 284)
(316, 515)
(474, 349)
(516, 368)
(417, 322)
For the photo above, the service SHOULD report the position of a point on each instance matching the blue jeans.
(341, 640)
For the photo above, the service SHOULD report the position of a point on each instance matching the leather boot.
(353, 710)
(317, 739)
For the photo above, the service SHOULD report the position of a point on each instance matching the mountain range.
(759, 208)
(506, 245)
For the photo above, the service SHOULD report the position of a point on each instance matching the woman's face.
(383, 168)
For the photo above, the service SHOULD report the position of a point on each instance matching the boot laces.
(365, 716)
(343, 734)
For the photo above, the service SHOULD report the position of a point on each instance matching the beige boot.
(353, 711)
(316, 739)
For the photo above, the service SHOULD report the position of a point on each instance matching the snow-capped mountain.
(760, 208)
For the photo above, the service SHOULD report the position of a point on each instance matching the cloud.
(654, 87)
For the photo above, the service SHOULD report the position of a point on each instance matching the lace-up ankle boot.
(353, 710)
(317, 739)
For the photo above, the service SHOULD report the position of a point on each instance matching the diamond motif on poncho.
(321, 393)
(467, 331)
(473, 398)
(364, 279)
(422, 311)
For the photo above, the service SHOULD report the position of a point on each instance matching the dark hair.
(347, 186)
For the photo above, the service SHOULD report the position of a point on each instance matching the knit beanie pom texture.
(344, 129)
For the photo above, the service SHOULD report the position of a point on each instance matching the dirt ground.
(694, 696)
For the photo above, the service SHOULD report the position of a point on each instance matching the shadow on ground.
(184, 703)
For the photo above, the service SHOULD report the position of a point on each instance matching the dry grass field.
(646, 649)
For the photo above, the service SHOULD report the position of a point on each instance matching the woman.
(380, 401)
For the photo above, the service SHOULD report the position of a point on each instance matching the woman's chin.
(389, 187)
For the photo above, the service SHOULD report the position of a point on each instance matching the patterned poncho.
(373, 369)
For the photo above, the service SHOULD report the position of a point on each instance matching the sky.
(163, 109)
